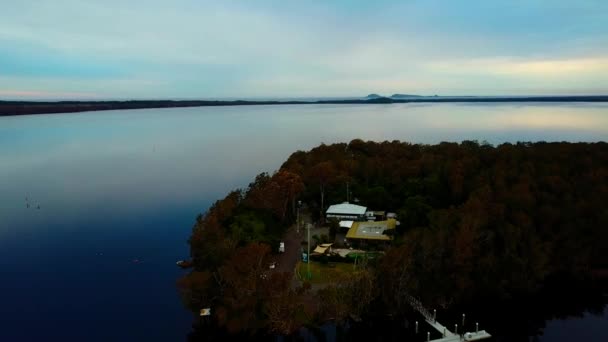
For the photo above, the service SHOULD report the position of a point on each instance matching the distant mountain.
(380, 99)
(404, 96)
(394, 96)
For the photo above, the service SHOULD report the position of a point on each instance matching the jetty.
(447, 335)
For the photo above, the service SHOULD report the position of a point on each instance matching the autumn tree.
(397, 278)
(197, 290)
(323, 173)
(476, 220)
(290, 186)
(242, 284)
(275, 193)
(285, 307)
(348, 297)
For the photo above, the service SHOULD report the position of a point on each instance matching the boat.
(184, 263)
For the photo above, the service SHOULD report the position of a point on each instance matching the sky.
(108, 49)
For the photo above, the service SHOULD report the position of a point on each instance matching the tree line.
(41, 107)
(477, 222)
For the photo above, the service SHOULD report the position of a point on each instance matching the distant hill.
(380, 99)
(394, 96)
(404, 96)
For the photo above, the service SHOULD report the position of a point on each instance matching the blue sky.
(197, 49)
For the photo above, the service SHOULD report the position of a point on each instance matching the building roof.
(346, 209)
(322, 248)
(371, 230)
(346, 224)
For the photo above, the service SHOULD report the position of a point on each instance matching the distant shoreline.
(13, 108)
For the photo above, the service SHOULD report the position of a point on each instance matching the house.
(345, 225)
(346, 211)
(371, 232)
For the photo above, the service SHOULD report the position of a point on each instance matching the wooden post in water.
(456, 329)
(428, 336)
(476, 327)
(416, 327)
(434, 315)
(444, 331)
(463, 320)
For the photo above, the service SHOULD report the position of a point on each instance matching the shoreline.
(15, 108)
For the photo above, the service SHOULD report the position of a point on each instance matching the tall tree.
(324, 173)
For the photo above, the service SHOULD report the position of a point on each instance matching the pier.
(447, 335)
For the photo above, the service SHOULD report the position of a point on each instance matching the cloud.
(512, 66)
(266, 48)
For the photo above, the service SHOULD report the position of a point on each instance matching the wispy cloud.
(525, 67)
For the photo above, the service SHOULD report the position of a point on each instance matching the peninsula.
(363, 231)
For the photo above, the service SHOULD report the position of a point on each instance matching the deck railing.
(416, 304)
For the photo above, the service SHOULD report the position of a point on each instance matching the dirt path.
(286, 262)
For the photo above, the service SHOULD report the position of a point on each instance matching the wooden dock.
(470, 336)
(447, 335)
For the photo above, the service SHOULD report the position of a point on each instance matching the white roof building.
(346, 224)
(346, 211)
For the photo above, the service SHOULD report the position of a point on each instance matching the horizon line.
(278, 98)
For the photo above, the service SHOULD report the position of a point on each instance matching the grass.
(324, 273)
(370, 255)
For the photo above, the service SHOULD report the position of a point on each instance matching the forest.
(479, 223)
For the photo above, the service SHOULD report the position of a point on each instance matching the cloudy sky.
(197, 49)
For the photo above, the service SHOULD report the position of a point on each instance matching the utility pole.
(298, 218)
(308, 255)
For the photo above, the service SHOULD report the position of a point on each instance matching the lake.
(113, 195)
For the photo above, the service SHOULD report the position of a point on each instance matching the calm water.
(118, 192)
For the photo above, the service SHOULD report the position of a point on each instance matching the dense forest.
(478, 222)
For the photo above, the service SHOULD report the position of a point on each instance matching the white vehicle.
(282, 247)
(272, 265)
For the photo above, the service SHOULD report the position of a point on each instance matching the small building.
(347, 211)
(323, 248)
(345, 225)
(371, 232)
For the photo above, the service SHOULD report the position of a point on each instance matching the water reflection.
(123, 185)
